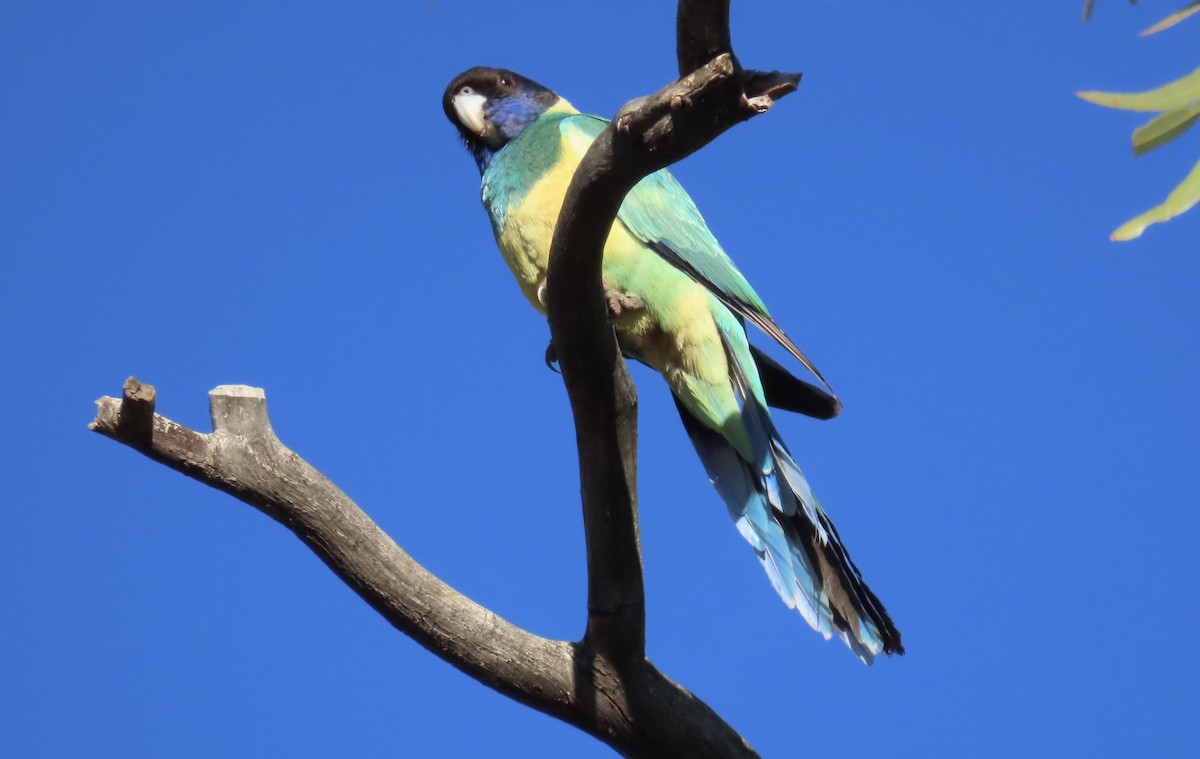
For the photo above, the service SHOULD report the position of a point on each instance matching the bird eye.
(505, 81)
(466, 90)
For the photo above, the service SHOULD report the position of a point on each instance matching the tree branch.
(604, 685)
(701, 33)
(244, 458)
(646, 135)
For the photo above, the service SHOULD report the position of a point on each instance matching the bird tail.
(776, 512)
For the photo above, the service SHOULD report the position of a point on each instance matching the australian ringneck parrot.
(679, 305)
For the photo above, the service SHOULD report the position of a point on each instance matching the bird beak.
(470, 112)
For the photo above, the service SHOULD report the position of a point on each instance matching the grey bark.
(602, 684)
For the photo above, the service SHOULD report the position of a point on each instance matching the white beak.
(470, 111)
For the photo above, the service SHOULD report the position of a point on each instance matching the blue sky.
(268, 193)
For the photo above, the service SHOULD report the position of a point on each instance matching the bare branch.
(244, 458)
(646, 135)
(701, 33)
(604, 685)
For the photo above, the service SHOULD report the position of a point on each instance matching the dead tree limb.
(243, 457)
(603, 684)
(647, 134)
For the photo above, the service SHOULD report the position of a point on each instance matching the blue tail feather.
(775, 510)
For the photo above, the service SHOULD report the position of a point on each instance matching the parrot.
(679, 305)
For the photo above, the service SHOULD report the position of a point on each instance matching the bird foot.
(619, 303)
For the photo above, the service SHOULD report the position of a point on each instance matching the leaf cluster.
(1177, 105)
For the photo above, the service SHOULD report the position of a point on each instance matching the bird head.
(491, 106)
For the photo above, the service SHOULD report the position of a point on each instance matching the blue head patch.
(491, 107)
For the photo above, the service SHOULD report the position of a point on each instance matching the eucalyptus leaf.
(1173, 19)
(1163, 128)
(1180, 93)
(1183, 197)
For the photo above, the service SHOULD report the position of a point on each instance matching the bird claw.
(619, 303)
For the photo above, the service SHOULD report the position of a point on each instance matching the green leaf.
(1180, 93)
(1173, 19)
(1183, 197)
(1163, 128)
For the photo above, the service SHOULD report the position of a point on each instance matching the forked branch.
(604, 684)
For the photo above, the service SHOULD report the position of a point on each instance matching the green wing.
(659, 212)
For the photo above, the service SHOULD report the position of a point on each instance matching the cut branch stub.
(136, 420)
(239, 410)
(763, 88)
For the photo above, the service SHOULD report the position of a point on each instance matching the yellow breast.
(529, 228)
